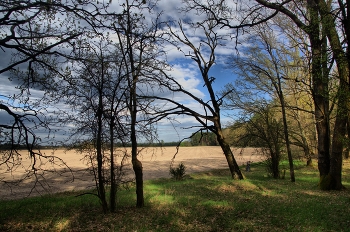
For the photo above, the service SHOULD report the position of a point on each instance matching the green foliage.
(185, 143)
(263, 129)
(204, 139)
(178, 173)
(272, 166)
(258, 203)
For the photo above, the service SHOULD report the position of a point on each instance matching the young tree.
(96, 92)
(298, 89)
(138, 43)
(36, 36)
(264, 65)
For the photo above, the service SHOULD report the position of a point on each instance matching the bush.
(272, 162)
(178, 173)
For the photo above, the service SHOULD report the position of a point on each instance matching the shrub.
(272, 162)
(178, 173)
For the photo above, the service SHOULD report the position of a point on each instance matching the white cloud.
(187, 76)
(184, 69)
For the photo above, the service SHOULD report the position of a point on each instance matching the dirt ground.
(155, 161)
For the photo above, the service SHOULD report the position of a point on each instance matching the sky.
(184, 70)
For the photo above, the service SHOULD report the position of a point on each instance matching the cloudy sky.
(184, 69)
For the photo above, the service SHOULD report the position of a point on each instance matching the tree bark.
(286, 135)
(137, 165)
(336, 162)
(113, 190)
(320, 94)
(347, 150)
(343, 95)
(101, 187)
(231, 161)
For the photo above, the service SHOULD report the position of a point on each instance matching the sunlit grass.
(208, 201)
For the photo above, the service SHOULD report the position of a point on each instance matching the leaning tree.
(203, 53)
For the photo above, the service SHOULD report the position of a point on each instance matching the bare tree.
(203, 54)
(37, 37)
(138, 41)
(96, 90)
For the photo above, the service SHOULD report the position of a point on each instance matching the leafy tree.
(203, 139)
(318, 20)
(268, 131)
(263, 65)
(259, 125)
(320, 24)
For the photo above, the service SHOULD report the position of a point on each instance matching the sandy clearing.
(155, 161)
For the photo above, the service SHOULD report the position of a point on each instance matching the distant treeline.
(24, 147)
(199, 139)
(159, 144)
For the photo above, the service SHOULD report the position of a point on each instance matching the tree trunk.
(323, 136)
(320, 94)
(275, 164)
(307, 154)
(343, 94)
(347, 149)
(231, 161)
(113, 191)
(101, 188)
(335, 174)
(346, 153)
(284, 117)
(336, 161)
(285, 129)
(137, 166)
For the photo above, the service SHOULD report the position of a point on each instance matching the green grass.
(208, 201)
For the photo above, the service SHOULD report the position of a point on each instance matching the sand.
(77, 176)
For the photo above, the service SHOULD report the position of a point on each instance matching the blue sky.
(184, 70)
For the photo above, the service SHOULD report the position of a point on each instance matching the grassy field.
(207, 201)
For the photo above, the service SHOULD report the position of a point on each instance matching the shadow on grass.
(208, 201)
